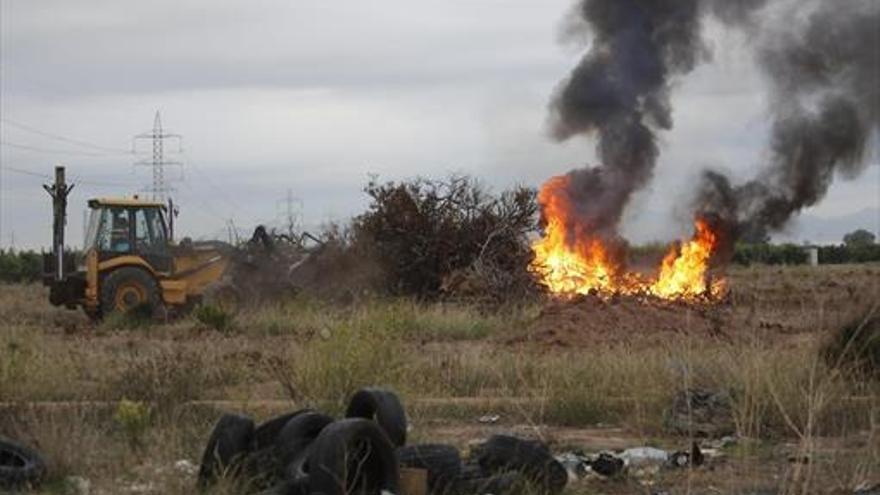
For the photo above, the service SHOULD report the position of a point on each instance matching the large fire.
(570, 260)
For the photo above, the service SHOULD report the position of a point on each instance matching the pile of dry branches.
(452, 236)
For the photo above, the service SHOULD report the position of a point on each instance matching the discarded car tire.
(442, 462)
(296, 472)
(261, 468)
(533, 459)
(266, 434)
(353, 456)
(20, 466)
(384, 406)
(285, 489)
(499, 484)
(229, 443)
(471, 471)
(299, 433)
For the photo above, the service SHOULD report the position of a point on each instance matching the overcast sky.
(315, 95)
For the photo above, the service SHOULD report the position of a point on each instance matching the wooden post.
(170, 220)
(59, 191)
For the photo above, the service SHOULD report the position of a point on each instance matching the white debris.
(185, 466)
(140, 488)
(644, 457)
(866, 488)
(78, 485)
(575, 464)
(712, 453)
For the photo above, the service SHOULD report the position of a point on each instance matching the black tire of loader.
(443, 463)
(228, 446)
(129, 280)
(533, 459)
(384, 406)
(351, 456)
(20, 466)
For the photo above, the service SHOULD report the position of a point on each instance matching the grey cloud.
(132, 48)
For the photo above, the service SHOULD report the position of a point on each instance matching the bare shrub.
(425, 231)
(214, 317)
(855, 346)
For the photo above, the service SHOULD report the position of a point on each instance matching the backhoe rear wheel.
(128, 288)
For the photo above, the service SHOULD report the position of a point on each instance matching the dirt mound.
(591, 320)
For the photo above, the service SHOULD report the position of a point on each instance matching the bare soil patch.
(781, 303)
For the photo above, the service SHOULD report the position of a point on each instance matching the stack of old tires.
(502, 465)
(307, 452)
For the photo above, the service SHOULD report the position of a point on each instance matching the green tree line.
(20, 266)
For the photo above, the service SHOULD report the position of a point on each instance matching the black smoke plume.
(620, 92)
(825, 103)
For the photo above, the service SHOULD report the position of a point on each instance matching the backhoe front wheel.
(224, 295)
(129, 288)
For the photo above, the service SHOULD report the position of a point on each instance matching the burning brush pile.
(572, 260)
(820, 63)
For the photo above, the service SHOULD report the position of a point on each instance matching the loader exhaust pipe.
(59, 191)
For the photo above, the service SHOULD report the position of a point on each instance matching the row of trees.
(858, 246)
(20, 266)
(791, 254)
(770, 254)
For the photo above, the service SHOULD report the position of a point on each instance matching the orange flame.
(683, 272)
(570, 260)
(569, 266)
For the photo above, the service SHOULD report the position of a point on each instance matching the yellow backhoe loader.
(130, 260)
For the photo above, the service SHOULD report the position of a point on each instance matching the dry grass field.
(121, 403)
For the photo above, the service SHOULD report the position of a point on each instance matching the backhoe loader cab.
(129, 261)
(129, 227)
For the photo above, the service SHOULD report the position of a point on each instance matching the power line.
(27, 172)
(219, 190)
(101, 183)
(78, 179)
(59, 137)
(52, 150)
(207, 208)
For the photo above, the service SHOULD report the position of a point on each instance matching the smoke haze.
(823, 86)
(822, 83)
(620, 92)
